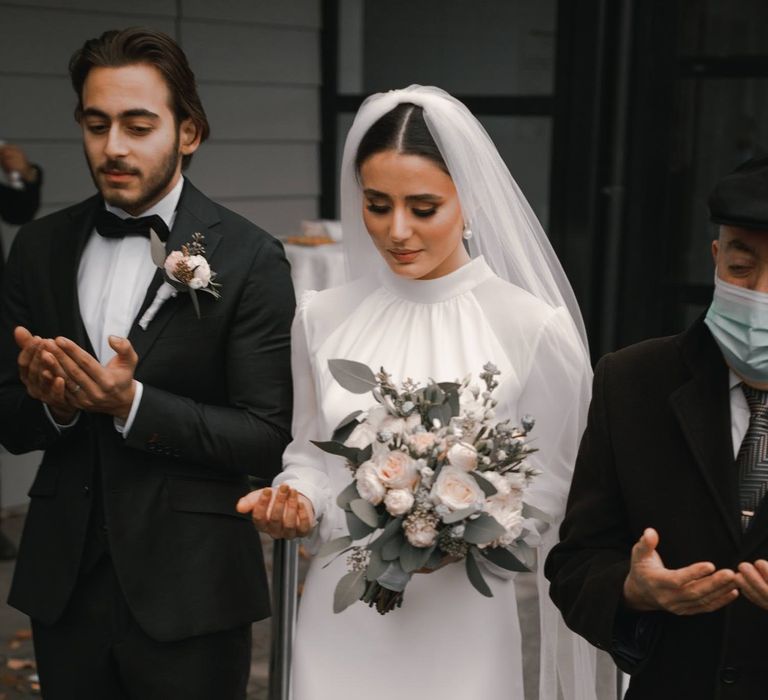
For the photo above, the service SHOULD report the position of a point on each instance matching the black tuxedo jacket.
(658, 453)
(216, 407)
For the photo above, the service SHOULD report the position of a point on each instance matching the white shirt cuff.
(60, 426)
(124, 426)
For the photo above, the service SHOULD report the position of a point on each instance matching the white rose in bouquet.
(421, 533)
(362, 436)
(472, 405)
(456, 489)
(398, 501)
(463, 456)
(381, 421)
(421, 443)
(507, 511)
(396, 470)
(369, 485)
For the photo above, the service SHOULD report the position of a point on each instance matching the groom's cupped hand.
(283, 512)
(91, 387)
(42, 375)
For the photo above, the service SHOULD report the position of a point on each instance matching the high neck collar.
(458, 282)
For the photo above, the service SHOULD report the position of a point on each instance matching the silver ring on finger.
(76, 388)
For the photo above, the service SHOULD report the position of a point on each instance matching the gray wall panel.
(67, 179)
(42, 41)
(301, 13)
(280, 217)
(264, 170)
(135, 7)
(37, 107)
(252, 53)
(253, 112)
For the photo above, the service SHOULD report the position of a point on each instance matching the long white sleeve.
(304, 466)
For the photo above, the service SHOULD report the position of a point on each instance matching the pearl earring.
(467, 232)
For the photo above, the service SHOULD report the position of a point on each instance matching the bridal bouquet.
(435, 479)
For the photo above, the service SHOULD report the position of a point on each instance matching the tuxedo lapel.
(702, 408)
(195, 213)
(67, 251)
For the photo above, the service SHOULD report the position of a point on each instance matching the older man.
(675, 461)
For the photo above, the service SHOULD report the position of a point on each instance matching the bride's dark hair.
(404, 130)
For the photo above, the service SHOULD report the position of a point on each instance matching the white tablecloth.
(315, 267)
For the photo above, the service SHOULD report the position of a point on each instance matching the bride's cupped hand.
(282, 513)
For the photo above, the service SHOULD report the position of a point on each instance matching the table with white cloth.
(315, 267)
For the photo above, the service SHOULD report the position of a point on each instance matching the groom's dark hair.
(404, 130)
(117, 48)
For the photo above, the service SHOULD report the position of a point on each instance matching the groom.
(139, 575)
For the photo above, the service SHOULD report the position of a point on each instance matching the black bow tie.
(110, 226)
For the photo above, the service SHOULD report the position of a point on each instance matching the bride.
(450, 269)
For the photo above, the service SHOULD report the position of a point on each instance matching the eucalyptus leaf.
(449, 387)
(365, 511)
(451, 390)
(392, 528)
(337, 448)
(348, 495)
(434, 394)
(195, 302)
(504, 558)
(488, 488)
(364, 455)
(476, 577)
(435, 558)
(525, 554)
(350, 419)
(344, 429)
(376, 566)
(482, 530)
(530, 511)
(349, 589)
(413, 558)
(351, 454)
(458, 515)
(353, 376)
(334, 546)
(357, 528)
(157, 249)
(441, 412)
(391, 549)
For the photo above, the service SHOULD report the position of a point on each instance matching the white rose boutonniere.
(186, 270)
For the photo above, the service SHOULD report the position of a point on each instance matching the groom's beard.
(153, 184)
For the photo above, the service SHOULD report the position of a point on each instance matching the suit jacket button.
(729, 675)
(86, 490)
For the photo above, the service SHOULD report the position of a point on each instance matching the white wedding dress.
(447, 641)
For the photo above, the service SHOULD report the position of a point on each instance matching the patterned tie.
(752, 461)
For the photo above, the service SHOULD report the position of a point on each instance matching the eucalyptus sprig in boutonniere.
(185, 270)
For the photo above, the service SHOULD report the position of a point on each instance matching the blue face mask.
(738, 319)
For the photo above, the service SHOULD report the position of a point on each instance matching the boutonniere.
(185, 270)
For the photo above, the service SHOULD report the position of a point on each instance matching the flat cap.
(741, 197)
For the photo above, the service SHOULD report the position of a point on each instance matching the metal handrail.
(285, 578)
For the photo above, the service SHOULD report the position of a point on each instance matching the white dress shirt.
(112, 281)
(740, 413)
